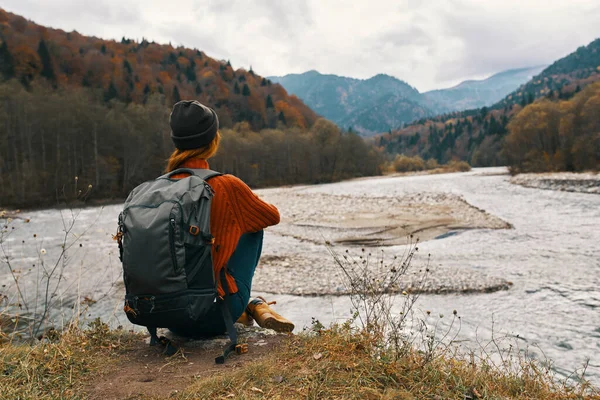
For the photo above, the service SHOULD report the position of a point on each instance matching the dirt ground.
(143, 371)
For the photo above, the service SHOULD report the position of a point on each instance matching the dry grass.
(346, 364)
(340, 362)
(57, 367)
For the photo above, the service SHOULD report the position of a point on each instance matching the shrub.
(459, 166)
(403, 163)
(431, 164)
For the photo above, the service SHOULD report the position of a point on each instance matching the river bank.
(587, 182)
(99, 363)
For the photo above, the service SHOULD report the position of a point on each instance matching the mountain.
(85, 119)
(561, 79)
(478, 135)
(132, 71)
(367, 106)
(382, 103)
(480, 93)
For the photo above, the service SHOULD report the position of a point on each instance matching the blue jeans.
(241, 266)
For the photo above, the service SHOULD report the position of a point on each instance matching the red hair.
(178, 157)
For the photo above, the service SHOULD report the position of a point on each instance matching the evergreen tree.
(47, 68)
(111, 93)
(176, 95)
(269, 102)
(127, 67)
(282, 117)
(86, 81)
(246, 90)
(7, 67)
(147, 90)
(530, 98)
(190, 72)
(103, 49)
(236, 88)
(263, 82)
(198, 89)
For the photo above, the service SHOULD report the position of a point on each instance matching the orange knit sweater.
(235, 210)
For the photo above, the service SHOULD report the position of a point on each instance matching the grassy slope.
(335, 363)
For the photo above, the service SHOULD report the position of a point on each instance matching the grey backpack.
(165, 247)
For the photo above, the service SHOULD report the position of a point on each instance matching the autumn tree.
(555, 136)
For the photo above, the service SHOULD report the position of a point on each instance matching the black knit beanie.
(193, 125)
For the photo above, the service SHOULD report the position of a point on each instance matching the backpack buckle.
(194, 230)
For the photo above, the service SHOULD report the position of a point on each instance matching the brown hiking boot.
(267, 318)
(245, 319)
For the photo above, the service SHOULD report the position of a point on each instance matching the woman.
(238, 218)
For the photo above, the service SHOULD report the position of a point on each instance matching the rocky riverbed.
(564, 181)
(316, 224)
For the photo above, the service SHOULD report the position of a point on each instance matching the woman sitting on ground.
(238, 217)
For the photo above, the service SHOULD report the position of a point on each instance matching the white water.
(552, 256)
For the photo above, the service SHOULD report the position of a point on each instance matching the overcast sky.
(428, 43)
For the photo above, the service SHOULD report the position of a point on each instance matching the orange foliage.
(136, 69)
(27, 62)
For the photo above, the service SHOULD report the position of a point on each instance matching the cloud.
(429, 44)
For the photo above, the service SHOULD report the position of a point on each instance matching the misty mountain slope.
(390, 110)
(381, 103)
(345, 101)
(480, 93)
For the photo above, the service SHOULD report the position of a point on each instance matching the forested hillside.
(478, 135)
(79, 112)
(557, 135)
(131, 72)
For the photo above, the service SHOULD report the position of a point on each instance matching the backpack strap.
(170, 349)
(204, 174)
(231, 331)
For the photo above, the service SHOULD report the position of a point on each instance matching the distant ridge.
(383, 102)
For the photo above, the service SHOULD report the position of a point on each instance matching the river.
(551, 256)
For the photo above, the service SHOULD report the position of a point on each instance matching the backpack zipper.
(172, 243)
